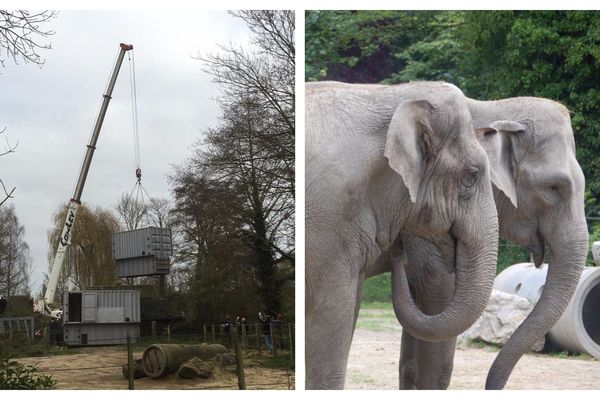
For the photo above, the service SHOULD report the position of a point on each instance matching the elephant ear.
(409, 142)
(496, 140)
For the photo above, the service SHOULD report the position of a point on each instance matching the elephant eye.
(470, 177)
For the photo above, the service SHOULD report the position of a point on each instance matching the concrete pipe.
(161, 359)
(578, 329)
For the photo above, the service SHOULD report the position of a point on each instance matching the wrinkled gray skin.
(381, 161)
(539, 194)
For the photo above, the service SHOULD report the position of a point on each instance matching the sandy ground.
(100, 368)
(375, 352)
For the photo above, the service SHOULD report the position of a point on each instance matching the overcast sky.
(51, 111)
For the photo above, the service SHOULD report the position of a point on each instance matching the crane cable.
(140, 191)
(136, 135)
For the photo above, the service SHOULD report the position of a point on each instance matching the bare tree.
(20, 32)
(131, 211)
(266, 73)
(8, 149)
(158, 213)
(15, 263)
(20, 35)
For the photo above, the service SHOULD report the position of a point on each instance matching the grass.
(571, 356)
(282, 361)
(36, 350)
(477, 344)
(376, 305)
(377, 317)
(358, 377)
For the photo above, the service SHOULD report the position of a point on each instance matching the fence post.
(46, 339)
(213, 333)
(239, 363)
(258, 344)
(273, 346)
(243, 335)
(169, 333)
(291, 341)
(130, 366)
(153, 329)
(205, 336)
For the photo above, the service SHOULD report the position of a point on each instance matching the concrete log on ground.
(226, 359)
(138, 371)
(196, 368)
(161, 359)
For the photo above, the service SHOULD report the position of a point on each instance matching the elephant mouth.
(536, 248)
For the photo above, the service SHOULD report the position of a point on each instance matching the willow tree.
(89, 259)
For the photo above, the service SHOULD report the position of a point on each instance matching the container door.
(90, 307)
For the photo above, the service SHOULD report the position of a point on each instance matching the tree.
(88, 261)
(8, 149)
(131, 211)
(249, 157)
(266, 74)
(215, 261)
(20, 32)
(159, 213)
(15, 263)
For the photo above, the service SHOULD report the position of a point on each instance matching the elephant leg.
(408, 362)
(428, 365)
(330, 320)
(435, 361)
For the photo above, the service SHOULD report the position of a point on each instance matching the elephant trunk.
(567, 254)
(475, 268)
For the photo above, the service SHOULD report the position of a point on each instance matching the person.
(266, 330)
(278, 331)
(227, 329)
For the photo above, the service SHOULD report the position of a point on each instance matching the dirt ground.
(375, 351)
(100, 368)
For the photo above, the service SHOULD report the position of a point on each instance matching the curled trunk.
(475, 268)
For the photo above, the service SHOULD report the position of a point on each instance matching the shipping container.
(143, 242)
(142, 266)
(99, 317)
(100, 334)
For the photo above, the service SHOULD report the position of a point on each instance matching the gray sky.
(51, 111)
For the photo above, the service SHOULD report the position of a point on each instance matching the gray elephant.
(539, 195)
(383, 161)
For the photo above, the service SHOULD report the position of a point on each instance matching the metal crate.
(144, 242)
(142, 266)
(99, 317)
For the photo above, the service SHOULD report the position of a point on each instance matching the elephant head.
(539, 194)
(448, 180)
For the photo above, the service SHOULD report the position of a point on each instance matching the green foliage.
(594, 237)
(378, 289)
(510, 254)
(24, 377)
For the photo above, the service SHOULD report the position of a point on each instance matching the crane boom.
(64, 241)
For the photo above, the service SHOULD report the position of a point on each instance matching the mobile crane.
(44, 306)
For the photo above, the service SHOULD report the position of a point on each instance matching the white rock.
(596, 252)
(502, 316)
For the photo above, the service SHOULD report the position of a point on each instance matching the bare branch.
(7, 195)
(20, 32)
